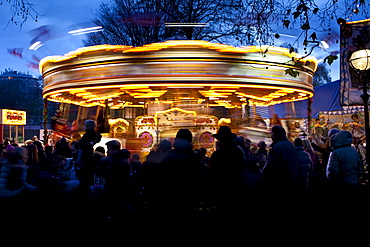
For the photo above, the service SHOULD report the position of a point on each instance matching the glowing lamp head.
(360, 59)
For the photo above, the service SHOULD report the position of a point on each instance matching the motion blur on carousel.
(142, 133)
(142, 95)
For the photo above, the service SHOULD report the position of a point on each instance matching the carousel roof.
(177, 70)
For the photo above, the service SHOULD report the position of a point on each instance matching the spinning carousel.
(176, 84)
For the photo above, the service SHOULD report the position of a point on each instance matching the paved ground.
(67, 219)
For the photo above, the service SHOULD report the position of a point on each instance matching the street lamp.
(360, 60)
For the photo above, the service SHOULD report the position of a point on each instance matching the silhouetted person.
(252, 174)
(84, 164)
(344, 169)
(116, 170)
(13, 175)
(177, 177)
(91, 135)
(280, 174)
(151, 170)
(62, 148)
(225, 173)
(305, 165)
(325, 150)
(262, 154)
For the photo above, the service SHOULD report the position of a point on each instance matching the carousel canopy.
(177, 70)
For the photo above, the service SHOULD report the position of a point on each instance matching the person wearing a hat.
(225, 169)
(9, 148)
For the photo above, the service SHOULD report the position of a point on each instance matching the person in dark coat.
(63, 148)
(115, 169)
(170, 178)
(304, 168)
(85, 169)
(148, 175)
(13, 175)
(325, 151)
(90, 136)
(252, 174)
(262, 148)
(178, 176)
(280, 173)
(345, 167)
(225, 173)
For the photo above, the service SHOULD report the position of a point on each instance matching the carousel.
(144, 94)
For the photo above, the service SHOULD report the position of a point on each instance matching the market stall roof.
(201, 71)
(327, 98)
(325, 101)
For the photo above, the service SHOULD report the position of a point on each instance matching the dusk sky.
(60, 15)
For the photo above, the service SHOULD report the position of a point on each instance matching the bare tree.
(234, 22)
(126, 23)
(322, 75)
(139, 22)
(21, 11)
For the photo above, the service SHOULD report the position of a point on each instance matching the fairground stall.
(144, 94)
(12, 124)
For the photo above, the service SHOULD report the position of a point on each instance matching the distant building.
(23, 92)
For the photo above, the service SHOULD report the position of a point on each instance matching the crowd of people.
(177, 184)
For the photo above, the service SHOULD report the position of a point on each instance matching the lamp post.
(360, 60)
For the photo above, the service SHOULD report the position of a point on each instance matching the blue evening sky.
(60, 15)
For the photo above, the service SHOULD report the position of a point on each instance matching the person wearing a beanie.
(9, 148)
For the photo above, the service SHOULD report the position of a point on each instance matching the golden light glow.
(226, 104)
(224, 121)
(177, 109)
(174, 110)
(176, 70)
(12, 117)
(360, 21)
(118, 121)
(264, 99)
(150, 94)
(82, 50)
